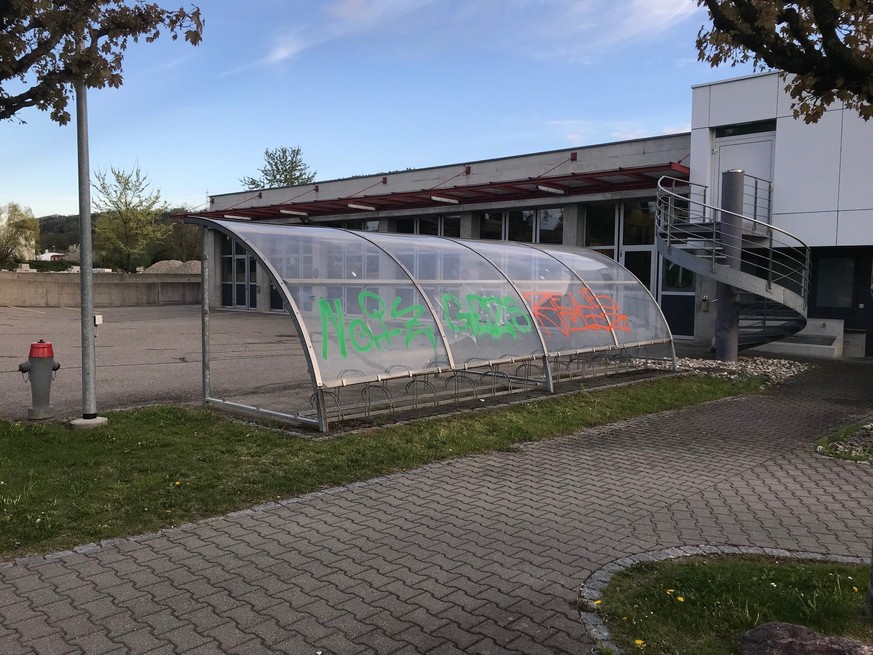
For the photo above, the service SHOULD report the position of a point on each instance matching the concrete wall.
(610, 156)
(110, 289)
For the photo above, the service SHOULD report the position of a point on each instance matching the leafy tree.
(58, 232)
(129, 225)
(19, 233)
(283, 167)
(182, 241)
(826, 45)
(47, 46)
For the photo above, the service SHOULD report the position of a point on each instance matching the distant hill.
(57, 233)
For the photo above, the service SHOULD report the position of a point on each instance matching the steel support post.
(727, 317)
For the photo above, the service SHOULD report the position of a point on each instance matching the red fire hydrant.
(40, 367)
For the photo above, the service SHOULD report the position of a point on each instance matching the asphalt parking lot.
(148, 355)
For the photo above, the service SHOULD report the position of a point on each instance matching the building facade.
(601, 197)
(821, 178)
(810, 180)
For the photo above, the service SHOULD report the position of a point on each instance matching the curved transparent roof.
(373, 306)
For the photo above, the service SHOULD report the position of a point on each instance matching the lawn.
(702, 605)
(160, 466)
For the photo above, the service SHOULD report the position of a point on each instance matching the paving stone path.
(482, 554)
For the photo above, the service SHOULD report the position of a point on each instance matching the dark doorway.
(840, 286)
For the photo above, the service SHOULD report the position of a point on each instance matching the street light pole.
(86, 268)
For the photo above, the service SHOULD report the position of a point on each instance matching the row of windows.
(527, 225)
(607, 228)
(629, 223)
(544, 225)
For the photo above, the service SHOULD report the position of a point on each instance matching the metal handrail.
(757, 196)
(684, 221)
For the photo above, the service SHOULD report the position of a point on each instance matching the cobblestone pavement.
(483, 554)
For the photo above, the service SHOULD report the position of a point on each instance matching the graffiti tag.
(568, 313)
(494, 316)
(382, 326)
(364, 335)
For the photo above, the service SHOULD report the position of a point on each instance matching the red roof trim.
(574, 184)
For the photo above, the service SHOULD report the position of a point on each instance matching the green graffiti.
(494, 316)
(333, 316)
(366, 334)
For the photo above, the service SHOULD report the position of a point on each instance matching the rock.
(790, 639)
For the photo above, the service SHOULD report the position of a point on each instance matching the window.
(550, 225)
(238, 276)
(429, 225)
(520, 225)
(491, 225)
(746, 128)
(834, 282)
(676, 278)
(600, 225)
(452, 226)
(443, 226)
(406, 225)
(639, 223)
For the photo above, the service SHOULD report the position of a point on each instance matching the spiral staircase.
(768, 267)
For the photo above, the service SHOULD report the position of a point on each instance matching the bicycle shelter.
(389, 322)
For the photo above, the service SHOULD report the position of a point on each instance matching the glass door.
(239, 286)
(637, 251)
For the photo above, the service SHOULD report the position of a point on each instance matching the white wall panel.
(701, 155)
(806, 175)
(855, 228)
(814, 228)
(743, 101)
(700, 106)
(856, 164)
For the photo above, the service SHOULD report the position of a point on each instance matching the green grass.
(160, 466)
(702, 605)
(852, 442)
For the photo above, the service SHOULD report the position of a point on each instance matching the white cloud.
(362, 14)
(651, 17)
(287, 48)
(573, 30)
(337, 20)
(580, 30)
(584, 132)
(627, 131)
(676, 129)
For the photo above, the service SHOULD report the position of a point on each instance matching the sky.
(366, 87)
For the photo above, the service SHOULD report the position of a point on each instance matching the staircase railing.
(771, 262)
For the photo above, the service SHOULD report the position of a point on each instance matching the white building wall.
(822, 189)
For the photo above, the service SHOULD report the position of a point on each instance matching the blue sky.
(369, 86)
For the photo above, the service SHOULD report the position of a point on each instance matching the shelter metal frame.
(508, 317)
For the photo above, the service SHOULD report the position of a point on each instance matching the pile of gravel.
(174, 267)
(775, 371)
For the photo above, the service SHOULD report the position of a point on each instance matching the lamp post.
(86, 268)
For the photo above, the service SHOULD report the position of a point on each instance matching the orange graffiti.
(568, 313)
